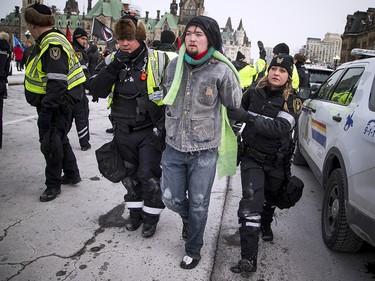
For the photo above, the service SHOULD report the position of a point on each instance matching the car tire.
(298, 158)
(337, 234)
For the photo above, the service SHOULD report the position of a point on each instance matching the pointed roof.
(240, 26)
(229, 24)
(107, 8)
(172, 21)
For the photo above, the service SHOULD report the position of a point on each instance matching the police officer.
(134, 75)
(53, 84)
(81, 110)
(283, 48)
(270, 111)
(249, 73)
(303, 73)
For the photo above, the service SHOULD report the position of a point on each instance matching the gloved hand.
(120, 58)
(262, 51)
(239, 114)
(44, 120)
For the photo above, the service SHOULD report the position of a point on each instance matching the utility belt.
(129, 129)
(261, 158)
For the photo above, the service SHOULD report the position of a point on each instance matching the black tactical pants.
(62, 122)
(143, 171)
(260, 184)
(81, 119)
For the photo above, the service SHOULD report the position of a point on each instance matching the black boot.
(245, 265)
(267, 218)
(135, 219)
(267, 234)
(49, 194)
(149, 224)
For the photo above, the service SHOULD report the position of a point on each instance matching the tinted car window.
(327, 87)
(347, 86)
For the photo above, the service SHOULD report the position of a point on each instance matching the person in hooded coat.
(198, 86)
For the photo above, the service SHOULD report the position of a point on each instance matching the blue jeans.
(186, 184)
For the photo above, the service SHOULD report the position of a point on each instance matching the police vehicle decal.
(370, 128)
(349, 122)
(318, 132)
(306, 109)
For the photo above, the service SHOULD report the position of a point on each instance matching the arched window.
(78, 23)
(68, 22)
(59, 22)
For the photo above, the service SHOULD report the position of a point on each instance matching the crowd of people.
(173, 106)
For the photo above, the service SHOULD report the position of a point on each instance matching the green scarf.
(227, 161)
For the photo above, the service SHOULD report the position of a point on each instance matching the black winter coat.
(271, 131)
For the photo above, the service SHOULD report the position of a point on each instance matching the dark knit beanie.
(210, 28)
(167, 36)
(240, 56)
(281, 48)
(78, 33)
(283, 60)
(40, 15)
(130, 28)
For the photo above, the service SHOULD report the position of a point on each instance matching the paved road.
(81, 234)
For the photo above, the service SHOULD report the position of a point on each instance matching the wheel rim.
(333, 209)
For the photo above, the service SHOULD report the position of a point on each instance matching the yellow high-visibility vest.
(36, 78)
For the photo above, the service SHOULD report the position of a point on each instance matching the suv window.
(327, 86)
(345, 89)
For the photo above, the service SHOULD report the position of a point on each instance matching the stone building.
(109, 11)
(359, 33)
(324, 52)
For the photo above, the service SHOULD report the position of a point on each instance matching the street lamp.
(336, 60)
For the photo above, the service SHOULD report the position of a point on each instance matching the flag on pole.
(67, 33)
(17, 43)
(103, 32)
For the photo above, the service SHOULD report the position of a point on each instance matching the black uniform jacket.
(271, 130)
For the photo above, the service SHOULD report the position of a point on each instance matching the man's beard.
(192, 53)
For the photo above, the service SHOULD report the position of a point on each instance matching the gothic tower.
(190, 9)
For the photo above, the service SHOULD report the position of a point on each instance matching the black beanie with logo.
(283, 60)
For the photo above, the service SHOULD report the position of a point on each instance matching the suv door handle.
(337, 118)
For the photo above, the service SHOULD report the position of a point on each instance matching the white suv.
(336, 136)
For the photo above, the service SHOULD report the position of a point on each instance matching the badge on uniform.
(79, 56)
(297, 106)
(55, 53)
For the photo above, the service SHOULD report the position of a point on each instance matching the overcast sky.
(271, 21)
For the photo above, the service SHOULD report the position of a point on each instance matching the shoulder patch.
(55, 53)
(79, 55)
(297, 105)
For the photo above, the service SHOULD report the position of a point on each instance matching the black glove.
(262, 51)
(158, 138)
(120, 58)
(239, 114)
(44, 120)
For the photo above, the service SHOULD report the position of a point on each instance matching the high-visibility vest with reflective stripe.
(36, 78)
(155, 73)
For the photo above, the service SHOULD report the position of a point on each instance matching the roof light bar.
(362, 52)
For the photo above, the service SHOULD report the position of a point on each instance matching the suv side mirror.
(304, 93)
